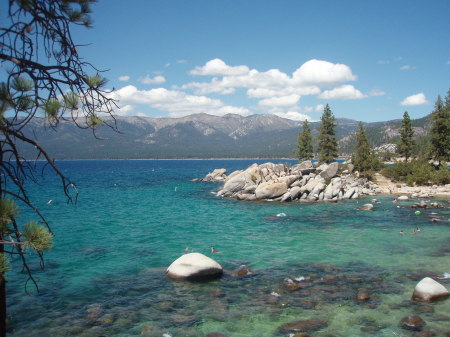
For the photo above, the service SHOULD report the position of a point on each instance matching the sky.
(369, 60)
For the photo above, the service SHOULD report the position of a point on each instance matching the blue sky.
(369, 60)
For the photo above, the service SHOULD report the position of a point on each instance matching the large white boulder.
(194, 267)
(270, 190)
(330, 171)
(429, 290)
(233, 185)
(403, 198)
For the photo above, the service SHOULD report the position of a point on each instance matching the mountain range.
(194, 136)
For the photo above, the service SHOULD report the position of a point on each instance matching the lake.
(105, 274)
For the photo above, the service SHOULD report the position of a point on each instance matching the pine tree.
(44, 73)
(440, 131)
(406, 144)
(304, 149)
(327, 147)
(362, 158)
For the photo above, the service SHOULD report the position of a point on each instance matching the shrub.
(442, 176)
(418, 172)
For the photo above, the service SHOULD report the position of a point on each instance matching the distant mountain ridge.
(193, 136)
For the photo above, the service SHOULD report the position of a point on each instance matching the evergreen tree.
(362, 158)
(304, 149)
(327, 146)
(406, 144)
(43, 74)
(440, 131)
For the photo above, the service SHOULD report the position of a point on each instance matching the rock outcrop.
(194, 267)
(302, 182)
(218, 175)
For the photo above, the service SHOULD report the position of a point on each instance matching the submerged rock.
(306, 325)
(414, 323)
(429, 290)
(242, 271)
(194, 267)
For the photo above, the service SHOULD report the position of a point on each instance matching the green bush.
(442, 176)
(418, 172)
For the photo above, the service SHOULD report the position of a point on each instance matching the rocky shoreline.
(302, 182)
(306, 183)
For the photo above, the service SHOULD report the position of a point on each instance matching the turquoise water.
(105, 275)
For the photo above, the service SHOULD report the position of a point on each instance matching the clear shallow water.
(105, 275)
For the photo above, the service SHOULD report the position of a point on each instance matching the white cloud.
(417, 99)
(383, 62)
(181, 61)
(217, 67)
(280, 101)
(293, 115)
(342, 92)
(323, 73)
(376, 92)
(155, 80)
(176, 103)
(407, 67)
(319, 107)
(271, 84)
(124, 78)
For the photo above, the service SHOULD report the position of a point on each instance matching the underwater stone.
(414, 323)
(304, 325)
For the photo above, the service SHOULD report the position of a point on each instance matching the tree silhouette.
(45, 76)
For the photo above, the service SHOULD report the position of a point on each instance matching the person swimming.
(402, 232)
(214, 250)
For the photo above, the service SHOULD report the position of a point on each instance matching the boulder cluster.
(302, 182)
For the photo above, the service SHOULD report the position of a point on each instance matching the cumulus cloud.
(124, 78)
(323, 73)
(342, 92)
(319, 108)
(280, 101)
(273, 86)
(293, 115)
(176, 103)
(217, 67)
(155, 80)
(417, 99)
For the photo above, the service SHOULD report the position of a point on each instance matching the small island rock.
(366, 207)
(429, 290)
(194, 267)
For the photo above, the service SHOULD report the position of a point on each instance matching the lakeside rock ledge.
(302, 182)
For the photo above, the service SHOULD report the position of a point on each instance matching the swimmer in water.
(214, 250)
